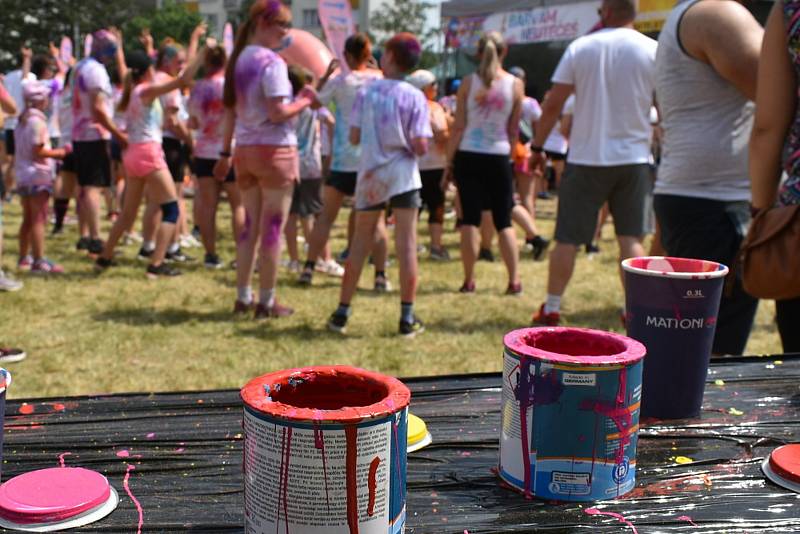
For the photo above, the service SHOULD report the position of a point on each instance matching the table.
(186, 453)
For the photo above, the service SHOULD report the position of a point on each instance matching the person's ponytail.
(242, 37)
(125, 101)
(490, 48)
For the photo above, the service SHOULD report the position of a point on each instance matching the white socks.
(553, 304)
(266, 297)
(245, 294)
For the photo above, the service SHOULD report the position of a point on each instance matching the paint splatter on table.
(187, 453)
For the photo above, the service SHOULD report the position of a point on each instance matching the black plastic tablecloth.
(187, 452)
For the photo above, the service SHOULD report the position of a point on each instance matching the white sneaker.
(189, 241)
(8, 355)
(293, 266)
(132, 238)
(8, 284)
(330, 267)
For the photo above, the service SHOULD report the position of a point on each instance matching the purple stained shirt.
(390, 114)
(206, 106)
(89, 77)
(261, 75)
(30, 133)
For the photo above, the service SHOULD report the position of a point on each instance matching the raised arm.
(122, 67)
(776, 102)
(185, 78)
(194, 40)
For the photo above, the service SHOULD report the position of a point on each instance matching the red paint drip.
(138, 506)
(688, 520)
(61, 456)
(523, 394)
(319, 444)
(618, 517)
(351, 466)
(372, 484)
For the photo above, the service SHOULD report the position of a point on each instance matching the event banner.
(336, 18)
(544, 24)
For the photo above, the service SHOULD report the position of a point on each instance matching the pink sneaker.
(44, 266)
(25, 263)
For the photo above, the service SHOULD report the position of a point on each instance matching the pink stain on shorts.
(142, 159)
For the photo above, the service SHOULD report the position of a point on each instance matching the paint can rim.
(255, 395)
(517, 344)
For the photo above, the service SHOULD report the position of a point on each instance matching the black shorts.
(93, 163)
(712, 230)
(344, 182)
(408, 200)
(175, 154)
(307, 198)
(204, 168)
(68, 163)
(10, 145)
(433, 194)
(555, 156)
(116, 151)
(485, 182)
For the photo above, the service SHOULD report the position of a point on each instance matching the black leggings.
(788, 315)
(485, 182)
(433, 195)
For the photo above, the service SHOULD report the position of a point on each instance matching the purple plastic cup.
(671, 307)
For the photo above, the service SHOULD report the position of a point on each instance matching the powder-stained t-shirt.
(341, 91)
(171, 102)
(90, 77)
(390, 113)
(309, 144)
(31, 132)
(206, 106)
(144, 119)
(436, 157)
(261, 75)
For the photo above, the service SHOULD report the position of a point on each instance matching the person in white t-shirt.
(13, 82)
(612, 73)
(557, 144)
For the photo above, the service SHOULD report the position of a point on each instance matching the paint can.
(325, 452)
(570, 413)
(5, 382)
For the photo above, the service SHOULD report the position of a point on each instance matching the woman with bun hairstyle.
(259, 109)
(144, 160)
(488, 109)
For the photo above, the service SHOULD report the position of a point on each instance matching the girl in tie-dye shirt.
(260, 109)
(206, 115)
(775, 144)
(390, 120)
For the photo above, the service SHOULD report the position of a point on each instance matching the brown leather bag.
(771, 254)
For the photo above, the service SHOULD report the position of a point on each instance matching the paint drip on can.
(325, 452)
(571, 400)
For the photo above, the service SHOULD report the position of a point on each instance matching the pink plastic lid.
(785, 462)
(54, 494)
(574, 346)
(332, 394)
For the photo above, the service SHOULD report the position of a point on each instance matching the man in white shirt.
(612, 73)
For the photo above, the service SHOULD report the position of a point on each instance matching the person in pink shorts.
(259, 107)
(144, 159)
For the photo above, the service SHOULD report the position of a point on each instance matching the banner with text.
(336, 18)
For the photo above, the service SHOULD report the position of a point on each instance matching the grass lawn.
(119, 332)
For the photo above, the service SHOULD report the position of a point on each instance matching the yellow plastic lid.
(417, 429)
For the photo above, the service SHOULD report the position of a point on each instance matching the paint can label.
(569, 432)
(324, 478)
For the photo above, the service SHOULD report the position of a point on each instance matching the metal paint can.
(325, 452)
(570, 413)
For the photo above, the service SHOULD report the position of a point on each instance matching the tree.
(36, 23)
(407, 16)
(172, 20)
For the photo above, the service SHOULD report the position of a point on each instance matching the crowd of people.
(656, 134)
